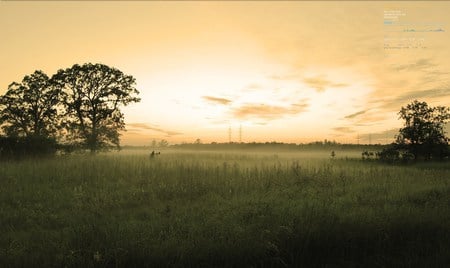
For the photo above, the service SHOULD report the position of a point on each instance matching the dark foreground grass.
(222, 209)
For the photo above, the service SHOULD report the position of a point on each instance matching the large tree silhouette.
(29, 109)
(423, 133)
(93, 95)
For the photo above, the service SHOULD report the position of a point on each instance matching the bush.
(406, 153)
(19, 147)
(389, 155)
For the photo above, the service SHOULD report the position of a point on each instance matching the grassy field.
(232, 209)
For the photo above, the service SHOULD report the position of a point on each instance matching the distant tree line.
(76, 108)
(316, 145)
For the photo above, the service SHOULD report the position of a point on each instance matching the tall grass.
(222, 209)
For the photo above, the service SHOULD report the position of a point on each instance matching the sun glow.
(285, 71)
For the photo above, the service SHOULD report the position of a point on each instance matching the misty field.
(232, 209)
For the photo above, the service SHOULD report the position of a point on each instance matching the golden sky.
(284, 71)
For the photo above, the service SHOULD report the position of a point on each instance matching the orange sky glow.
(281, 71)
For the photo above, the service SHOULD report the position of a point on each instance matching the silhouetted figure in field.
(153, 154)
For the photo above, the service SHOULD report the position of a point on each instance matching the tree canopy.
(423, 133)
(78, 107)
(29, 108)
(92, 97)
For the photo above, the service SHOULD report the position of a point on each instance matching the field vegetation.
(225, 208)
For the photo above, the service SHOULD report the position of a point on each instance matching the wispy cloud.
(284, 77)
(386, 136)
(143, 126)
(343, 129)
(268, 112)
(394, 103)
(320, 84)
(419, 65)
(350, 116)
(217, 100)
(437, 73)
(253, 86)
(366, 118)
(418, 94)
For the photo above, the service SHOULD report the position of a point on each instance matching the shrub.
(19, 147)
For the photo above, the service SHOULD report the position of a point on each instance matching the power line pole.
(229, 134)
(240, 133)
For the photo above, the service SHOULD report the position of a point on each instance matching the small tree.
(422, 135)
(163, 143)
(19, 147)
(94, 94)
